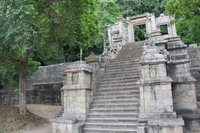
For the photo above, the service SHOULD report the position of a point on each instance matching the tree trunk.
(22, 85)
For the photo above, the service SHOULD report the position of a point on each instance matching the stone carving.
(156, 100)
(76, 97)
(153, 71)
(166, 86)
(123, 32)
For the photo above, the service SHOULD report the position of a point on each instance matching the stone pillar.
(184, 92)
(153, 82)
(156, 103)
(148, 24)
(155, 32)
(172, 27)
(131, 34)
(94, 61)
(77, 95)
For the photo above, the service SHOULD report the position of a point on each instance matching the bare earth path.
(45, 111)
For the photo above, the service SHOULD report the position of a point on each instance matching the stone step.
(120, 78)
(119, 92)
(108, 76)
(108, 130)
(116, 96)
(107, 84)
(133, 53)
(125, 61)
(112, 125)
(131, 48)
(118, 89)
(113, 105)
(113, 115)
(122, 73)
(122, 57)
(124, 91)
(119, 110)
(113, 81)
(130, 67)
(116, 100)
(112, 120)
(122, 64)
(125, 85)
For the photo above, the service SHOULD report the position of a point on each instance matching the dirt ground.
(44, 111)
(36, 120)
(44, 129)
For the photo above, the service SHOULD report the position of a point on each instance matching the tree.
(108, 13)
(27, 28)
(74, 24)
(20, 33)
(134, 7)
(187, 14)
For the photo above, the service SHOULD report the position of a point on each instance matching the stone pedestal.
(77, 95)
(94, 61)
(184, 93)
(156, 103)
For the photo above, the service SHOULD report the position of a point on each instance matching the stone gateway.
(133, 87)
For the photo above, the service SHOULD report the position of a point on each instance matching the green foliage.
(137, 7)
(187, 13)
(134, 7)
(163, 29)
(45, 31)
(108, 13)
(8, 73)
(140, 32)
(21, 30)
(74, 24)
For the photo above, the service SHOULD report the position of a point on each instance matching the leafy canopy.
(187, 13)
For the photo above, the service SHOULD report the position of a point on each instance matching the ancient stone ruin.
(145, 86)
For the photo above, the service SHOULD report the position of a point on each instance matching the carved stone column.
(94, 61)
(155, 32)
(153, 82)
(184, 92)
(77, 95)
(156, 103)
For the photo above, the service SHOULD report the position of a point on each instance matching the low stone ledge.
(158, 81)
(190, 114)
(145, 116)
(166, 122)
(183, 79)
(78, 127)
(76, 87)
(63, 120)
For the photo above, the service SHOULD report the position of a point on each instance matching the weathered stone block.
(184, 96)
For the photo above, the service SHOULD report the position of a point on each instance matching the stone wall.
(45, 94)
(43, 87)
(8, 97)
(194, 53)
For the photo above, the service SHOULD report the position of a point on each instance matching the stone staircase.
(115, 106)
